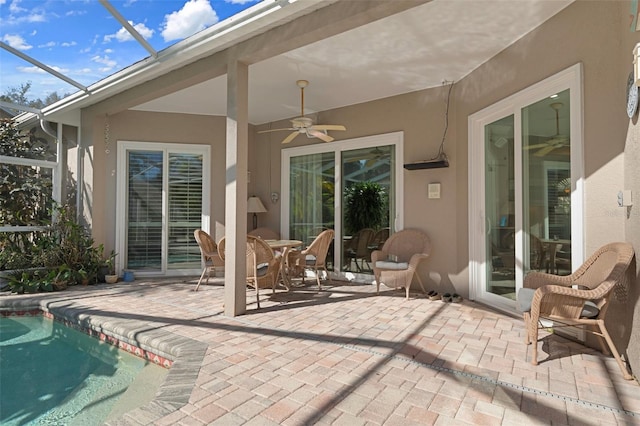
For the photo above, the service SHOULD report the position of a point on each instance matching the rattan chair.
(358, 248)
(263, 266)
(209, 251)
(313, 257)
(395, 265)
(579, 299)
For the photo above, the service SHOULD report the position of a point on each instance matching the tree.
(19, 96)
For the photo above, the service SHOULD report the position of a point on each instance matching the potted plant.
(110, 263)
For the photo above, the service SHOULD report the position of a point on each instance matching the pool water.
(51, 374)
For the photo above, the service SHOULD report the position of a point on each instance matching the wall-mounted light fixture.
(275, 197)
(254, 205)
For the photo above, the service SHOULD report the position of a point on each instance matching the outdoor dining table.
(285, 246)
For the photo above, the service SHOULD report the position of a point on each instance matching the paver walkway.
(346, 356)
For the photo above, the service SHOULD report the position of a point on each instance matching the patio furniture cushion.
(388, 264)
(525, 297)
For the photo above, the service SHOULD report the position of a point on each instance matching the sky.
(82, 40)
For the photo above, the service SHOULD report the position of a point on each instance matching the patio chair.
(263, 266)
(313, 257)
(264, 233)
(358, 248)
(209, 251)
(395, 265)
(579, 299)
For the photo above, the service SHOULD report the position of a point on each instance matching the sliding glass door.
(526, 180)
(165, 191)
(351, 187)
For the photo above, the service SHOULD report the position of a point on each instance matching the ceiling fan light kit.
(305, 125)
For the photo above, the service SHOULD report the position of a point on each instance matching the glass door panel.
(546, 160)
(312, 197)
(500, 207)
(144, 210)
(185, 210)
(367, 179)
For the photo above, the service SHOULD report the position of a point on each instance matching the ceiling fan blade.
(320, 135)
(276, 130)
(291, 137)
(544, 151)
(538, 145)
(328, 127)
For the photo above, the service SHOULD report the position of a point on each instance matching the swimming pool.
(52, 374)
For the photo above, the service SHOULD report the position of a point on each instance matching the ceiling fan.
(305, 125)
(556, 141)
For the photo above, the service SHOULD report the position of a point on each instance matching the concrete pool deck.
(344, 356)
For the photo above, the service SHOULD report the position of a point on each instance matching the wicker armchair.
(263, 266)
(210, 257)
(313, 257)
(395, 265)
(358, 248)
(554, 297)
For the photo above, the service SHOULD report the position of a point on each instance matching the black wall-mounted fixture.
(437, 163)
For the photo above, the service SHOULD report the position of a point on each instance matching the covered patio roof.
(351, 52)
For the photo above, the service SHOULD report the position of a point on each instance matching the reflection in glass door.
(500, 207)
(546, 160)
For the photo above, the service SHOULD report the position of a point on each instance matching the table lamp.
(254, 205)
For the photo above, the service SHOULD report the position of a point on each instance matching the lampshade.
(254, 205)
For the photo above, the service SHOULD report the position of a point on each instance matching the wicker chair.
(263, 266)
(313, 257)
(554, 297)
(210, 257)
(358, 248)
(395, 265)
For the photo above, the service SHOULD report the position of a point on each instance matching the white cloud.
(239, 1)
(14, 7)
(195, 15)
(48, 44)
(68, 43)
(37, 70)
(124, 35)
(104, 60)
(16, 41)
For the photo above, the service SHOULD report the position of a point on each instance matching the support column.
(235, 278)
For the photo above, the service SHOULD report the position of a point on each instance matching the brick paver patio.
(345, 356)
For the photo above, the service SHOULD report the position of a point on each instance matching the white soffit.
(412, 50)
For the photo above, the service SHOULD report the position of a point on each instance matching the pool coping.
(184, 355)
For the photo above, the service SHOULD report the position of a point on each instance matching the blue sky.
(82, 40)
